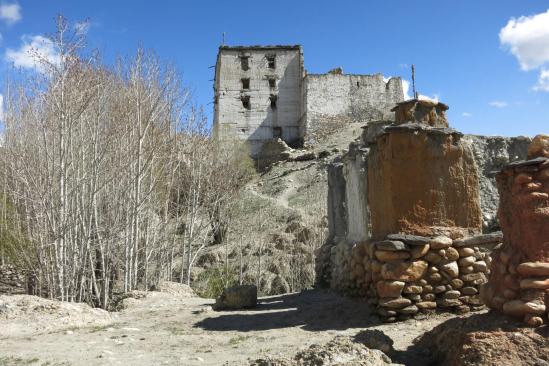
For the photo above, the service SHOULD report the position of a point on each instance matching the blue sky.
(480, 57)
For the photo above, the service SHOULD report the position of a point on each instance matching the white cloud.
(33, 49)
(528, 39)
(434, 98)
(466, 114)
(407, 96)
(543, 81)
(406, 89)
(10, 13)
(498, 104)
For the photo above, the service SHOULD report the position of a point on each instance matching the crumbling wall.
(420, 179)
(356, 178)
(334, 98)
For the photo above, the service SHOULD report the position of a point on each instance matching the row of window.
(246, 101)
(245, 62)
(246, 83)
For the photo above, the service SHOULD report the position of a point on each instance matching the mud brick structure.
(405, 218)
(519, 280)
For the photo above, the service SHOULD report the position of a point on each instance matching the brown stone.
(456, 283)
(451, 269)
(466, 261)
(440, 242)
(426, 305)
(419, 251)
(412, 289)
(452, 254)
(398, 303)
(433, 257)
(520, 308)
(390, 256)
(533, 269)
(407, 271)
(465, 251)
(469, 290)
(480, 266)
(539, 147)
(428, 297)
(389, 288)
(534, 283)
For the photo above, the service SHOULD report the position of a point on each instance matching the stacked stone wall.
(11, 281)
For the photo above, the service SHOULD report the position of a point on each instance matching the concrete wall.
(340, 98)
(232, 119)
(356, 194)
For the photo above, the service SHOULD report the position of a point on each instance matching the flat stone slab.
(410, 126)
(491, 238)
(409, 239)
(391, 245)
(522, 163)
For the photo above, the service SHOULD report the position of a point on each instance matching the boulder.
(237, 297)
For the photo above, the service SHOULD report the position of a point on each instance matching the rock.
(412, 289)
(389, 288)
(434, 277)
(533, 269)
(451, 294)
(398, 303)
(407, 271)
(410, 239)
(539, 147)
(237, 297)
(391, 245)
(448, 303)
(480, 266)
(440, 242)
(469, 290)
(535, 283)
(466, 261)
(439, 289)
(426, 305)
(433, 257)
(472, 277)
(465, 252)
(428, 297)
(412, 309)
(419, 251)
(496, 237)
(390, 256)
(520, 308)
(451, 269)
(452, 254)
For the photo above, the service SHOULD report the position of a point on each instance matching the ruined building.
(519, 280)
(405, 217)
(264, 92)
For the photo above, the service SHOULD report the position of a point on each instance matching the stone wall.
(405, 275)
(11, 282)
(339, 98)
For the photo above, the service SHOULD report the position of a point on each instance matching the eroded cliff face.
(491, 154)
(422, 180)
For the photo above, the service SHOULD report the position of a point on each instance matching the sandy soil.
(167, 329)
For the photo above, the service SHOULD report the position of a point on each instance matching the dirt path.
(165, 330)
